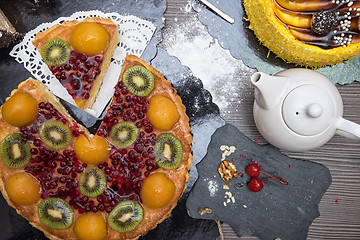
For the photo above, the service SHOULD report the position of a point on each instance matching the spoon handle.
(218, 11)
(348, 129)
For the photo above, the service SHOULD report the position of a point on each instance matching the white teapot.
(299, 109)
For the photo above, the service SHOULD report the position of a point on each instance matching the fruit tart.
(122, 181)
(307, 33)
(78, 54)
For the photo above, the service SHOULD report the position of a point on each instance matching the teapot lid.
(308, 110)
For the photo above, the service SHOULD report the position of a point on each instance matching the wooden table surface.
(340, 206)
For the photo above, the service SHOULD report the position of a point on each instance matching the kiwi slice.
(139, 80)
(92, 182)
(55, 213)
(124, 134)
(55, 134)
(55, 52)
(15, 151)
(126, 216)
(168, 151)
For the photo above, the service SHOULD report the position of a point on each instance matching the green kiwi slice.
(55, 213)
(126, 216)
(139, 80)
(92, 182)
(55, 52)
(168, 151)
(15, 151)
(55, 134)
(124, 134)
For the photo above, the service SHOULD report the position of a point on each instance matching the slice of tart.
(307, 33)
(123, 181)
(78, 54)
(147, 124)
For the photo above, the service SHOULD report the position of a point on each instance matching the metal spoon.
(218, 11)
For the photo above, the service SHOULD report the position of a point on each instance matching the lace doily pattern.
(135, 33)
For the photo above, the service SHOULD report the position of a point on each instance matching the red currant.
(255, 185)
(253, 170)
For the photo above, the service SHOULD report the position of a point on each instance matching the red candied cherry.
(253, 170)
(255, 184)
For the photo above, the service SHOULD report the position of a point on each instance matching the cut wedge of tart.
(123, 181)
(163, 156)
(78, 54)
(307, 33)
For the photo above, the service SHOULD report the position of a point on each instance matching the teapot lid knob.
(308, 110)
(314, 110)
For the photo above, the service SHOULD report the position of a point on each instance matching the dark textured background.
(338, 220)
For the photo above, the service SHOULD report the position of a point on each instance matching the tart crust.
(179, 176)
(277, 38)
(63, 32)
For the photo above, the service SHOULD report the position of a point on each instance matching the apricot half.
(157, 190)
(80, 103)
(23, 189)
(93, 151)
(162, 112)
(20, 109)
(89, 38)
(90, 226)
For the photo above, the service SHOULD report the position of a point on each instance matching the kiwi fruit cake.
(307, 33)
(78, 54)
(117, 184)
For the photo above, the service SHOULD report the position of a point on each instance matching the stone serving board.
(243, 44)
(277, 211)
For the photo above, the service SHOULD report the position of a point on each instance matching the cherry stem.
(279, 179)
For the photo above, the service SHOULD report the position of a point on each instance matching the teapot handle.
(348, 129)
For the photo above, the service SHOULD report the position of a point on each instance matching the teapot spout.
(268, 89)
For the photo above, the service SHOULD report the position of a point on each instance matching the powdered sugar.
(188, 7)
(208, 61)
(213, 188)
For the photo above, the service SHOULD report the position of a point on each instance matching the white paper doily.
(135, 34)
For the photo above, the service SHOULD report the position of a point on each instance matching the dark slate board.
(204, 120)
(243, 44)
(277, 211)
(204, 117)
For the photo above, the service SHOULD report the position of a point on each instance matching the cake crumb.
(229, 198)
(226, 187)
(229, 194)
(203, 211)
(244, 206)
(226, 151)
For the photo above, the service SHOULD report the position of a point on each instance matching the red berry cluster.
(255, 184)
(78, 74)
